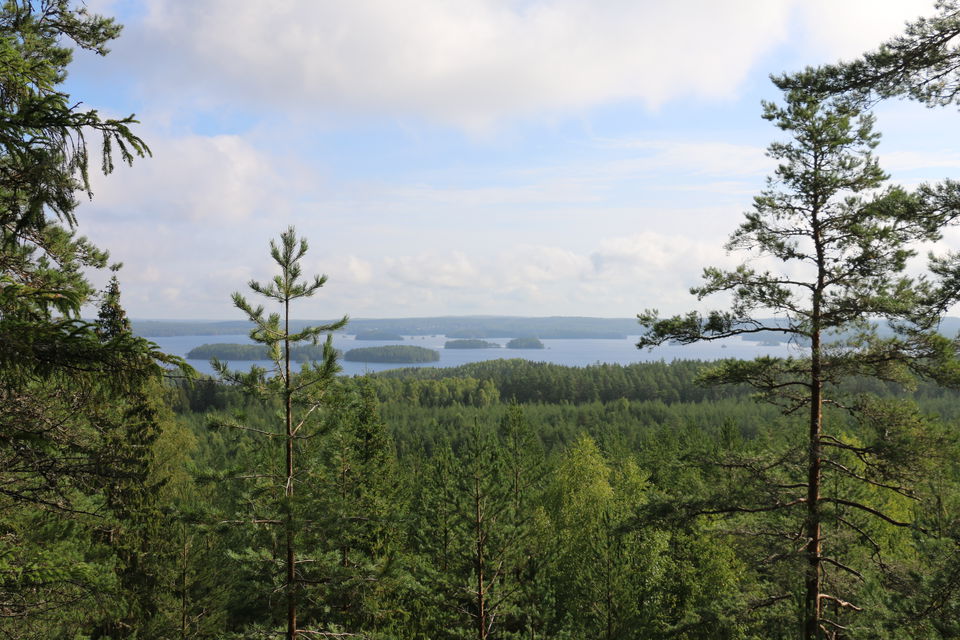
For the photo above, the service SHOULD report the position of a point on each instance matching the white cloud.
(693, 158)
(536, 264)
(618, 278)
(896, 161)
(201, 179)
(471, 62)
(359, 271)
(646, 253)
(474, 63)
(844, 30)
(432, 271)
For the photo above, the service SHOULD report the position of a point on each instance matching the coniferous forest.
(812, 497)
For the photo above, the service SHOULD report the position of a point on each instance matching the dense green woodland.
(582, 507)
(813, 497)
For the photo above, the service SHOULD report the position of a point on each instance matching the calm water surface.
(569, 352)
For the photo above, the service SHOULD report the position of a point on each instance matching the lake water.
(569, 352)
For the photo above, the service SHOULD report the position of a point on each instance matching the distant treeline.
(452, 327)
(378, 335)
(569, 334)
(458, 327)
(392, 353)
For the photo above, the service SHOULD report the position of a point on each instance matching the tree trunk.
(291, 577)
(481, 596)
(812, 582)
(815, 456)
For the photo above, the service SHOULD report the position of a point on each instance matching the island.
(525, 343)
(240, 352)
(392, 354)
(378, 335)
(470, 344)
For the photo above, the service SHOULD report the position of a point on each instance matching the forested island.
(525, 343)
(244, 352)
(470, 344)
(400, 354)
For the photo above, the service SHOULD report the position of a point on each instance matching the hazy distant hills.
(452, 327)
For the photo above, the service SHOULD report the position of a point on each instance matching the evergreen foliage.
(923, 64)
(303, 396)
(80, 407)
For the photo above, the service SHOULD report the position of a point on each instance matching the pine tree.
(302, 396)
(843, 243)
(922, 64)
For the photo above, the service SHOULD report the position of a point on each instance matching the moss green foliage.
(392, 353)
(525, 343)
(470, 344)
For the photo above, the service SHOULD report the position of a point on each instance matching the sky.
(497, 157)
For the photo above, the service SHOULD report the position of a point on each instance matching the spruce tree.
(66, 390)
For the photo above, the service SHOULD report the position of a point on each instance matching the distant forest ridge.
(457, 327)
(466, 327)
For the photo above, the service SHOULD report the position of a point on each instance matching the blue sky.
(521, 157)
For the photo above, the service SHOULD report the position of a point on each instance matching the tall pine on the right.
(841, 243)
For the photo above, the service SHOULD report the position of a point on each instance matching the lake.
(569, 352)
